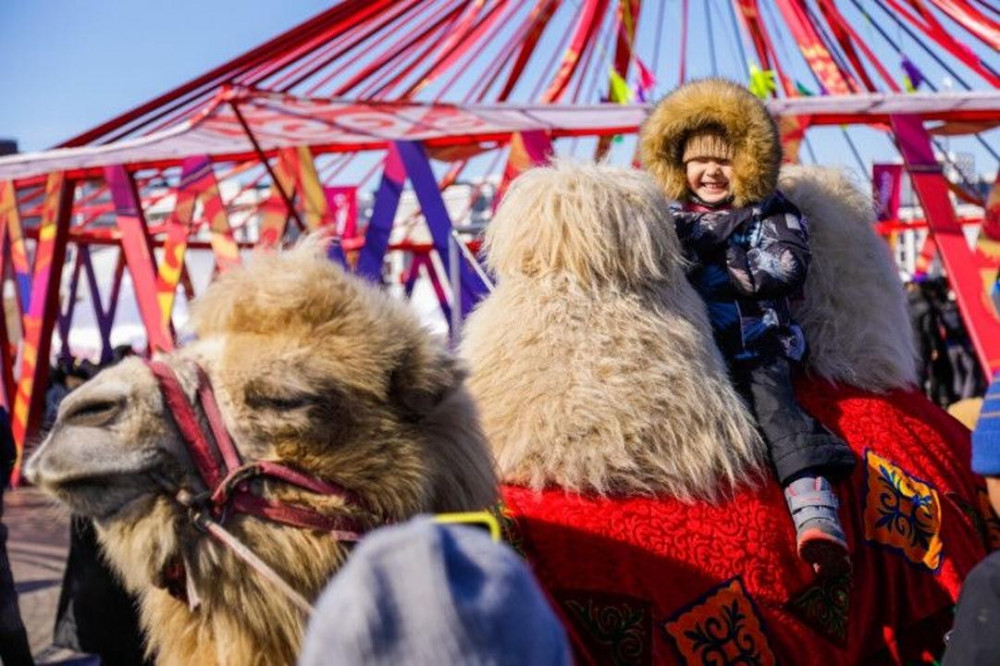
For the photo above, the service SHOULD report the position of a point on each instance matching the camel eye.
(265, 397)
(282, 403)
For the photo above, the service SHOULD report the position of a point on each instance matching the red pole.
(138, 251)
(964, 266)
(40, 320)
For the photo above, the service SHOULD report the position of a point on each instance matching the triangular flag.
(647, 81)
(761, 82)
(805, 92)
(619, 92)
(912, 77)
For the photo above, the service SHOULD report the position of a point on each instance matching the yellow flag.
(619, 92)
(761, 82)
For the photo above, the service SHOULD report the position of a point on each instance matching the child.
(715, 149)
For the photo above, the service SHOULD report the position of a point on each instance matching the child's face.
(710, 178)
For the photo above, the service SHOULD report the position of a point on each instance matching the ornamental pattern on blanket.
(732, 570)
(723, 628)
(902, 512)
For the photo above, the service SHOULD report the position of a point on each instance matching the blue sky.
(66, 66)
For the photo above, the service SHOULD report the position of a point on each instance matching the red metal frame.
(139, 257)
(40, 319)
(403, 49)
(964, 265)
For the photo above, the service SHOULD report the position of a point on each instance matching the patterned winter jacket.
(746, 264)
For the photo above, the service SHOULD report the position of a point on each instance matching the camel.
(631, 481)
(604, 403)
(310, 367)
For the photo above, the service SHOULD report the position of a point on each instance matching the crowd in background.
(946, 364)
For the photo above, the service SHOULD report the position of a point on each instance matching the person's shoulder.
(986, 575)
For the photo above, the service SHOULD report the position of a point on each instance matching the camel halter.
(227, 479)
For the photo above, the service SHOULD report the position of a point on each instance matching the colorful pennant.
(618, 91)
(762, 82)
(912, 77)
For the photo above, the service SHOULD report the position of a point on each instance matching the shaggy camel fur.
(593, 359)
(311, 368)
(854, 312)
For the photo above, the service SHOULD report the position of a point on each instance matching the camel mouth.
(107, 497)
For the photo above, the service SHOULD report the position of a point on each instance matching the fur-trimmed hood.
(719, 103)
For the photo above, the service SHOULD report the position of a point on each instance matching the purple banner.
(887, 183)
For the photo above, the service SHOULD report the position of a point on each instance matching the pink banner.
(887, 183)
(343, 204)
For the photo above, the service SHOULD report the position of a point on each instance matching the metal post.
(383, 214)
(139, 257)
(267, 165)
(40, 319)
(428, 193)
(455, 277)
(966, 268)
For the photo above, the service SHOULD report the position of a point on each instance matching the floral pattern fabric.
(722, 629)
(616, 565)
(618, 629)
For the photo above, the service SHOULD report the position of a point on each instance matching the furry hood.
(745, 120)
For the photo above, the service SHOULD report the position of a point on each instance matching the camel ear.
(418, 384)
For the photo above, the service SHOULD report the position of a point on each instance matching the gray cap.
(425, 593)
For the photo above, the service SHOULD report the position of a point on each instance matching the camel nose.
(30, 471)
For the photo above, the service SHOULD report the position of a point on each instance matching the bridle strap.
(223, 472)
(203, 454)
(211, 408)
(227, 479)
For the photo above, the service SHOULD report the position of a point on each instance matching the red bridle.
(227, 478)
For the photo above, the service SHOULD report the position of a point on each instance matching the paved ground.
(38, 543)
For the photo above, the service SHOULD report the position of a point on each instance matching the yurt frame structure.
(385, 93)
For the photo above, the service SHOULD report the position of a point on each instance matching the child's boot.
(819, 537)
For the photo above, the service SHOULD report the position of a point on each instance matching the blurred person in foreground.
(426, 594)
(975, 638)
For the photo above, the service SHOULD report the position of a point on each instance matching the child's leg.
(806, 456)
(797, 442)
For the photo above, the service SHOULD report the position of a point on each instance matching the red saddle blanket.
(653, 580)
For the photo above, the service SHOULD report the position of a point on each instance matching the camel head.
(311, 368)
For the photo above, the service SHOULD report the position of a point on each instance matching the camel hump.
(854, 312)
(593, 360)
